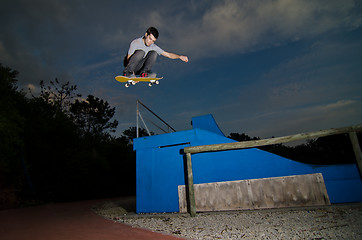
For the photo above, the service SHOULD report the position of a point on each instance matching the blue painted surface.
(160, 167)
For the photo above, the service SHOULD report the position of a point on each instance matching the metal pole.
(137, 132)
(148, 131)
(156, 115)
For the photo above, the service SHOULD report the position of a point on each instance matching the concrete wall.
(160, 167)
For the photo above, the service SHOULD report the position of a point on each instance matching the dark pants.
(139, 64)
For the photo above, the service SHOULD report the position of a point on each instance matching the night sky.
(261, 67)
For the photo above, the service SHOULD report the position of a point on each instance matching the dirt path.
(67, 221)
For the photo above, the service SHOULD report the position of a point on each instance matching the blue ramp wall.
(160, 167)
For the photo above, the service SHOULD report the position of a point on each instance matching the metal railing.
(352, 131)
(154, 114)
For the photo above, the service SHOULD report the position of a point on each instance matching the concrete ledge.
(276, 192)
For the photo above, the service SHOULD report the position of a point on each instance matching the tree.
(335, 149)
(241, 137)
(93, 116)
(12, 102)
(11, 121)
(131, 133)
(57, 147)
(59, 95)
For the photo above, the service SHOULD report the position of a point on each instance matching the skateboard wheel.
(150, 84)
(126, 85)
(157, 82)
(133, 83)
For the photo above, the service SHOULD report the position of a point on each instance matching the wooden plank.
(190, 186)
(277, 192)
(357, 150)
(270, 141)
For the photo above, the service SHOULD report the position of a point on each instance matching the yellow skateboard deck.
(135, 80)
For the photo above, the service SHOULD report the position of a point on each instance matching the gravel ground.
(342, 221)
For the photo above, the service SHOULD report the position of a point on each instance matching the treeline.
(330, 150)
(57, 146)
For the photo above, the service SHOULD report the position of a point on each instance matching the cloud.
(339, 104)
(243, 26)
(52, 36)
(325, 71)
(315, 88)
(283, 122)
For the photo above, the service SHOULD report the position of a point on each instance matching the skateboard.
(133, 81)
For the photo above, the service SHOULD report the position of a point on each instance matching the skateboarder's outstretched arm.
(175, 56)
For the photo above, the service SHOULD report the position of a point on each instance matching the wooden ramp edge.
(275, 192)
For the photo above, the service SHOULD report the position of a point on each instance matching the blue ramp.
(160, 167)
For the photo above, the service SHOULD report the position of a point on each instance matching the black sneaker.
(148, 75)
(129, 74)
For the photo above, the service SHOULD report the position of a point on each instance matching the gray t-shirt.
(139, 44)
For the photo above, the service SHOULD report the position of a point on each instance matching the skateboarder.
(142, 54)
